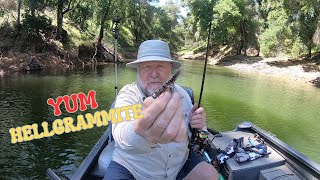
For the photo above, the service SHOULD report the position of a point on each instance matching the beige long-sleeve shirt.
(143, 159)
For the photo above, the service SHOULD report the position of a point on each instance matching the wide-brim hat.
(154, 50)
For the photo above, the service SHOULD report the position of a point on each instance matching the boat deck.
(269, 167)
(252, 169)
(284, 162)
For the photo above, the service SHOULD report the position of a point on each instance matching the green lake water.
(288, 110)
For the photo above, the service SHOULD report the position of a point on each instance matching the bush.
(32, 25)
(1, 12)
(297, 49)
(269, 42)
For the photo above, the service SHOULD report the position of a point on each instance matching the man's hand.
(197, 117)
(162, 120)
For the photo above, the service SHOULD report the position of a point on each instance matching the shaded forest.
(82, 31)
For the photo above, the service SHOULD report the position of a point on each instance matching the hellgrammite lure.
(166, 85)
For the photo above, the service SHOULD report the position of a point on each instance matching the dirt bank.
(22, 52)
(307, 71)
(303, 70)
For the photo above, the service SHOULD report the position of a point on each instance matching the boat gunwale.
(87, 164)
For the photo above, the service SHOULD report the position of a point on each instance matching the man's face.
(152, 75)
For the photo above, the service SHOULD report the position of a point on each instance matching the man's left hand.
(197, 117)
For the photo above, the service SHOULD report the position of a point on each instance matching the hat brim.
(175, 64)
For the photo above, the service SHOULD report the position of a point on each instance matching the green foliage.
(270, 41)
(33, 25)
(305, 17)
(81, 13)
(234, 25)
(165, 19)
(270, 26)
(1, 12)
(226, 23)
(233, 22)
(126, 37)
(201, 11)
(273, 37)
(291, 26)
(297, 49)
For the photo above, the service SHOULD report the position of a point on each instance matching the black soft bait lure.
(166, 85)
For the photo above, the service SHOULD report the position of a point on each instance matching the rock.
(103, 54)
(33, 65)
(85, 52)
(316, 82)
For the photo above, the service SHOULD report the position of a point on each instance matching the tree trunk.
(136, 23)
(98, 48)
(309, 53)
(33, 7)
(102, 22)
(101, 28)
(19, 10)
(59, 19)
(83, 21)
(309, 50)
(243, 41)
(135, 30)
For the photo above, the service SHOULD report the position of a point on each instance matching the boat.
(284, 162)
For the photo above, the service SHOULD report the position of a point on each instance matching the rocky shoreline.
(302, 70)
(281, 67)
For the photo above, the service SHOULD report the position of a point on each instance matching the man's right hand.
(162, 120)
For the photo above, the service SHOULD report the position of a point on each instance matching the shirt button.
(169, 155)
(167, 168)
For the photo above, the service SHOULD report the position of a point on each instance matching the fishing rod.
(207, 55)
(116, 21)
(197, 142)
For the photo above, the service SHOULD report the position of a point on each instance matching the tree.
(140, 19)
(33, 6)
(274, 37)
(234, 25)
(164, 19)
(19, 10)
(60, 13)
(199, 10)
(304, 16)
(82, 12)
(105, 11)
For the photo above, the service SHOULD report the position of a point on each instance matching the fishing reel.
(115, 28)
(199, 141)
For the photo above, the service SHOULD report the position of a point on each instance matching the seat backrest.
(105, 157)
(190, 93)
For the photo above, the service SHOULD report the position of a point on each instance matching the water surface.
(288, 110)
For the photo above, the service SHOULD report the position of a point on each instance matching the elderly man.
(156, 146)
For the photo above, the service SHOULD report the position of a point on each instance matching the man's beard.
(151, 86)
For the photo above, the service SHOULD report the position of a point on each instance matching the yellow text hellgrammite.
(66, 125)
